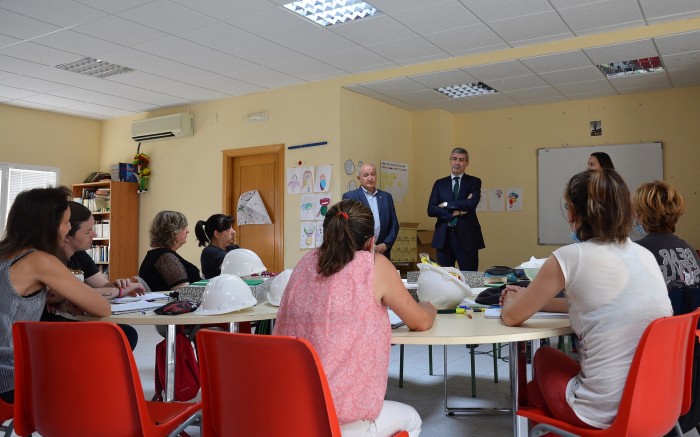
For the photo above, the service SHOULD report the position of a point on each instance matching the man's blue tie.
(455, 196)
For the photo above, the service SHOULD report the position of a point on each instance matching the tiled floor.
(423, 391)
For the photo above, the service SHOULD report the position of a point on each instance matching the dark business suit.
(388, 223)
(462, 242)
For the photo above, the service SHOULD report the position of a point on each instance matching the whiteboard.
(636, 163)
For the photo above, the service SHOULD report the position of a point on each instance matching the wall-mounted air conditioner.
(161, 128)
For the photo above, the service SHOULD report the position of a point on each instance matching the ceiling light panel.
(330, 12)
(94, 68)
(632, 67)
(466, 90)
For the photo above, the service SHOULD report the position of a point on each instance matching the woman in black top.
(162, 268)
(216, 235)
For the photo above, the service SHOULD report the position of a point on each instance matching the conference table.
(262, 311)
(459, 329)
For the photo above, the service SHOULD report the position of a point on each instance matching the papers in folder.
(495, 313)
(135, 304)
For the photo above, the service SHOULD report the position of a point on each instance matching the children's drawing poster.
(483, 200)
(308, 235)
(323, 202)
(323, 178)
(307, 207)
(497, 199)
(514, 199)
(319, 234)
(294, 178)
(307, 180)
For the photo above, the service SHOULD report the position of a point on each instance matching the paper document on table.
(145, 296)
(134, 307)
(395, 320)
(495, 313)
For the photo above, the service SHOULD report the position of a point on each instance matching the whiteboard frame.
(637, 163)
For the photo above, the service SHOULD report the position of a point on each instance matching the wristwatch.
(443, 205)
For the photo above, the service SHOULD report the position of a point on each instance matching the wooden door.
(261, 169)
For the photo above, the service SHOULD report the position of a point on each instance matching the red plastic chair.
(74, 379)
(259, 385)
(657, 390)
(6, 413)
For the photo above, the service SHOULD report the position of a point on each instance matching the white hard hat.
(242, 262)
(277, 286)
(224, 294)
(440, 287)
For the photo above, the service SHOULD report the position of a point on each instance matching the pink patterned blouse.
(347, 326)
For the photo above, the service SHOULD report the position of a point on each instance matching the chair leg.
(430, 359)
(400, 366)
(473, 368)
(496, 347)
(8, 428)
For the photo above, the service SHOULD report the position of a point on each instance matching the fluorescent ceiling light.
(94, 67)
(466, 90)
(329, 12)
(634, 66)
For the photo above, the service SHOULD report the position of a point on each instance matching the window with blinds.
(15, 178)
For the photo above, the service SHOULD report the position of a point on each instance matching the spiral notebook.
(495, 313)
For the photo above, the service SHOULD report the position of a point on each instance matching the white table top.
(459, 329)
(261, 311)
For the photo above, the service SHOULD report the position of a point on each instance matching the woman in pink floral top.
(337, 299)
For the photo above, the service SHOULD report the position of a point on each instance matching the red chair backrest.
(254, 385)
(658, 383)
(76, 379)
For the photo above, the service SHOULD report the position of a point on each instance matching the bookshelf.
(115, 207)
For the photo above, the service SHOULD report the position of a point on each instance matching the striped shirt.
(14, 307)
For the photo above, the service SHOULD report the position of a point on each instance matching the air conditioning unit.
(161, 128)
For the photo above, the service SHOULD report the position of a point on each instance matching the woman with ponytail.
(613, 289)
(216, 235)
(337, 299)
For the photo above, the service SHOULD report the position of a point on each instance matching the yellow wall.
(187, 172)
(52, 140)
(503, 145)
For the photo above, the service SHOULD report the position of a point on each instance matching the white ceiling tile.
(267, 78)
(426, 96)
(466, 39)
(89, 96)
(394, 86)
(11, 92)
(225, 9)
(584, 74)
(266, 53)
(557, 61)
(685, 77)
(431, 18)
(531, 27)
(545, 92)
(16, 65)
(355, 60)
(19, 26)
(54, 74)
(226, 84)
(167, 86)
(493, 10)
(499, 70)
(223, 37)
(364, 91)
(594, 86)
(30, 51)
(604, 14)
(396, 6)
(669, 8)
(37, 106)
(622, 52)
(64, 13)
(99, 109)
(112, 6)
(33, 84)
(444, 78)
(516, 83)
(490, 101)
(77, 43)
(371, 30)
(274, 24)
(119, 31)
(6, 40)
(135, 59)
(176, 71)
(404, 50)
(166, 16)
(685, 61)
(307, 69)
(113, 88)
(654, 80)
(680, 43)
(317, 42)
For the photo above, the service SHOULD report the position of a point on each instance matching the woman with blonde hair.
(658, 206)
(613, 290)
(337, 298)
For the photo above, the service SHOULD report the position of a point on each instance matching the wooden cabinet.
(115, 250)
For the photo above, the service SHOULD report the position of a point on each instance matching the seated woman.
(78, 240)
(613, 290)
(337, 298)
(162, 268)
(216, 235)
(31, 261)
(658, 206)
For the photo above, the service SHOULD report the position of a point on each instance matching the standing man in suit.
(386, 225)
(453, 202)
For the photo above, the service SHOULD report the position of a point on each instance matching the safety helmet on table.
(440, 287)
(224, 294)
(277, 286)
(242, 262)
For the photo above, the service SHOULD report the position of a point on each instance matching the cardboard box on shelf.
(425, 239)
(404, 248)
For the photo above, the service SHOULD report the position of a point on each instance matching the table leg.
(233, 327)
(170, 364)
